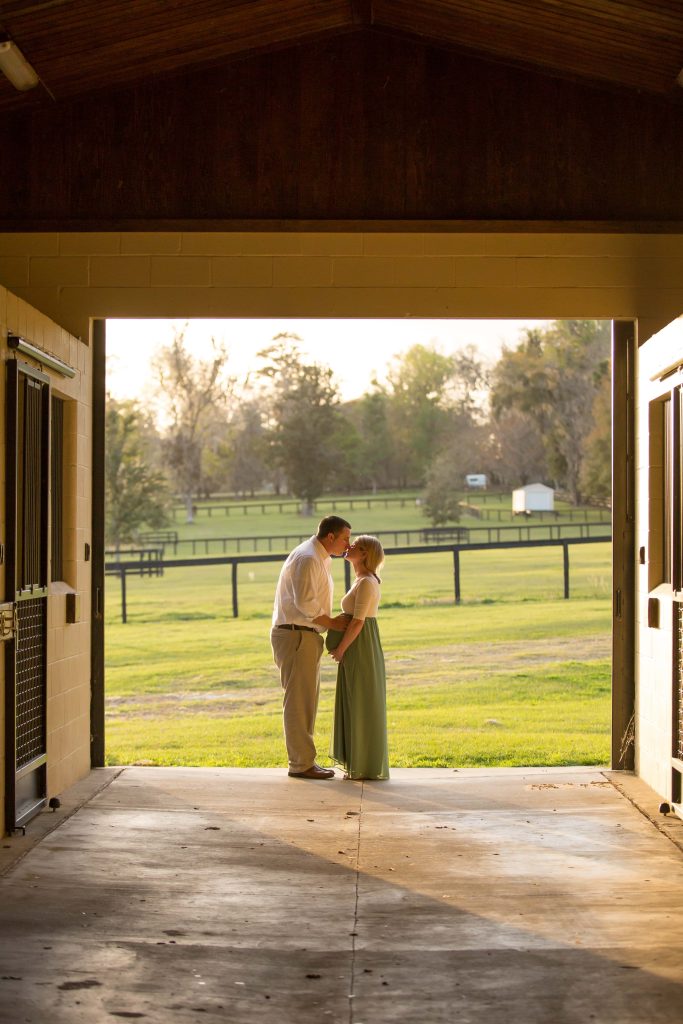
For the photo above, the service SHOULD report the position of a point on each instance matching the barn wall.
(359, 128)
(68, 644)
(74, 276)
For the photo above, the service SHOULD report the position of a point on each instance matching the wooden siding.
(77, 46)
(638, 45)
(357, 128)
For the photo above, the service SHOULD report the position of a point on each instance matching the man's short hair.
(331, 524)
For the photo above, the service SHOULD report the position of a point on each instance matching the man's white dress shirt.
(305, 587)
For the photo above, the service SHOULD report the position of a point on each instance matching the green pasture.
(511, 575)
(515, 675)
(248, 519)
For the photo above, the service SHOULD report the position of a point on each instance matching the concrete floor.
(175, 895)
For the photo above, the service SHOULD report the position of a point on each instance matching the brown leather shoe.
(314, 772)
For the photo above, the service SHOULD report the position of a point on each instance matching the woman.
(359, 734)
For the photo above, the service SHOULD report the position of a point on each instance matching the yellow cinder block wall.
(68, 645)
(75, 276)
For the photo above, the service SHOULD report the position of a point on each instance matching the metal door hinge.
(8, 621)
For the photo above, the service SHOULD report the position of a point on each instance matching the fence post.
(234, 590)
(565, 561)
(456, 573)
(124, 611)
(347, 575)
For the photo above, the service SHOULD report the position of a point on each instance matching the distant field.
(363, 520)
(514, 675)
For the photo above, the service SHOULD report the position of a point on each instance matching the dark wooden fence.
(123, 569)
(325, 505)
(456, 534)
(342, 504)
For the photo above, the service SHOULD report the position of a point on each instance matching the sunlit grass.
(495, 680)
(557, 715)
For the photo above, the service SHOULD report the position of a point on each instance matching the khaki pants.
(297, 653)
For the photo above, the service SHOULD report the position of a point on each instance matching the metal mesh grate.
(678, 683)
(30, 685)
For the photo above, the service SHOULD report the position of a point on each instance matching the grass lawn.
(255, 523)
(513, 676)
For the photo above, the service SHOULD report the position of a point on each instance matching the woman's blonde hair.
(373, 553)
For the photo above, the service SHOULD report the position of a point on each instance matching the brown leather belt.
(290, 625)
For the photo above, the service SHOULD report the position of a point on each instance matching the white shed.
(533, 498)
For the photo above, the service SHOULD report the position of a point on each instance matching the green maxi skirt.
(359, 732)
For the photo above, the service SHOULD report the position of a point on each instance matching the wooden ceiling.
(78, 46)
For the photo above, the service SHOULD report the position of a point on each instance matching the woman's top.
(362, 600)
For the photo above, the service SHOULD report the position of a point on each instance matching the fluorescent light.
(16, 68)
(44, 358)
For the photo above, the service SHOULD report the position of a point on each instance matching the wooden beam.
(623, 543)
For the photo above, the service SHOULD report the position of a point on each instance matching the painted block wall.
(68, 644)
(75, 276)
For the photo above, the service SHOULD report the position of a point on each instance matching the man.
(302, 612)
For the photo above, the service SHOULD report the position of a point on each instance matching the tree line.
(542, 412)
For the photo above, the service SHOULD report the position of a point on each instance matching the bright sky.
(357, 350)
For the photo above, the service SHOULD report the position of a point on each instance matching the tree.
(304, 417)
(442, 499)
(466, 447)
(347, 470)
(196, 393)
(552, 376)
(136, 494)
(519, 455)
(417, 400)
(596, 476)
(469, 383)
(240, 459)
(375, 458)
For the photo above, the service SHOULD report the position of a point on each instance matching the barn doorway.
(213, 688)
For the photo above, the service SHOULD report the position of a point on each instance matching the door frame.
(624, 347)
(96, 553)
(25, 786)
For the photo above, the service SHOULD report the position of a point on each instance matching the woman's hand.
(352, 630)
(340, 621)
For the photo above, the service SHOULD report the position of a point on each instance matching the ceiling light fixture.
(44, 358)
(16, 68)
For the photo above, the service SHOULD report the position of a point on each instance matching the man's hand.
(340, 621)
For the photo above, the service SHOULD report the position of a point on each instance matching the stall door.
(27, 465)
(659, 726)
